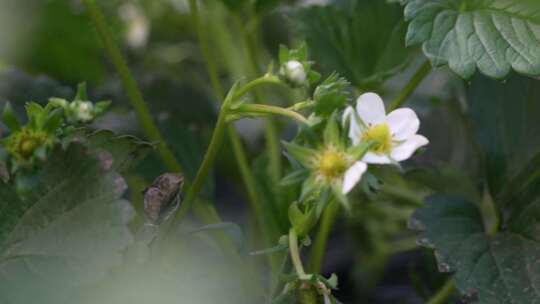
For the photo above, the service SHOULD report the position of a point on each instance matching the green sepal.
(309, 187)
(294, 177)
(331, 133)
(302, 52)
(271, 250)
(283, 54)
(303, 155)
(301, 221)
(81, 92)
(58, 102)
(101, 106)
(358, 151)
(313, 76)
(9, 118)
(331, 282)
(54, 120)
(35, 113)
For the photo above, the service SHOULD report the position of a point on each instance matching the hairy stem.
(264, 80)
(130, 85)
(413, 83)
(206, 165)
(329, 216)
(295, 253)
(268, 109)
(444, 294)
(238, 149)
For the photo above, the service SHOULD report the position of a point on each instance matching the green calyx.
(26, 144)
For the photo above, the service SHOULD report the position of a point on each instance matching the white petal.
(407, 148)
(370, 108)
(353, 176)
(355, 130)
(373, 158)
(403, 123)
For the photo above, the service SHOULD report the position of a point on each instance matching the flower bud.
(294, 71)
(83, 110)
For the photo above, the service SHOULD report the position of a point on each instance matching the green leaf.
(505, 117)
(66, 234)
(362, 40)
(494, 36)
(331, 95)
(500, 269)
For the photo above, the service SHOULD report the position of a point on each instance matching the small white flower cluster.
(394, 136)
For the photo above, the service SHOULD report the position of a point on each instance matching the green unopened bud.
(83, 111)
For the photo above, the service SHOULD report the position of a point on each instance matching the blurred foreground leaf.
(69, 232)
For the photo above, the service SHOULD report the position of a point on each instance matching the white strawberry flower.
(337, 168)
(394, 135)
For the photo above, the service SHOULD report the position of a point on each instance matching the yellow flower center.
(23, 143)
(332, 164)
(381, 136)
(27, 146)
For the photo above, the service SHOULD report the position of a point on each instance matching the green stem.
(268, 109)
(130, 85)
(264, 80)
(444, 294)
(273, 149)
(205, 49)
(329, 217)
(206, 165)
(302, 105)
(295, 253)
(413, 83)
(239, 153)
(238, 150)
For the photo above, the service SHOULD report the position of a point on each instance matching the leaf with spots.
(494, 36)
